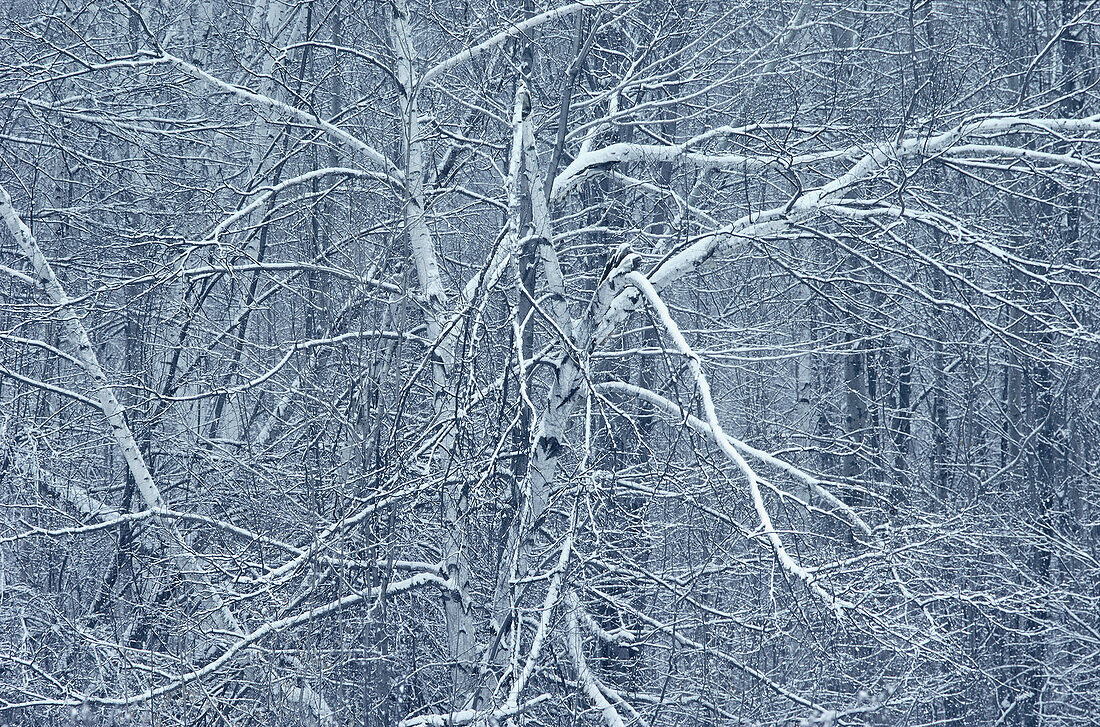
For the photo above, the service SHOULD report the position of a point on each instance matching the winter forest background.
(505, 362)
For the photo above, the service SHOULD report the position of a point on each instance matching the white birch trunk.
(219, 616)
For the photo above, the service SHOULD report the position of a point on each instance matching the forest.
(536, 363)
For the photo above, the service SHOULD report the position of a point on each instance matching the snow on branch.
(789, 564)
(518, 29)
(350, 141)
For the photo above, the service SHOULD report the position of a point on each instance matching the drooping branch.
(791, 565)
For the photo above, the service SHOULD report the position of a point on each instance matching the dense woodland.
(626, 363)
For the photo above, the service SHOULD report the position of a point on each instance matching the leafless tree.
(639, 362)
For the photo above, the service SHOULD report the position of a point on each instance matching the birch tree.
(621, 363)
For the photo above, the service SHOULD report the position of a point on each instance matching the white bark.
(789, 563)
(222, 619)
